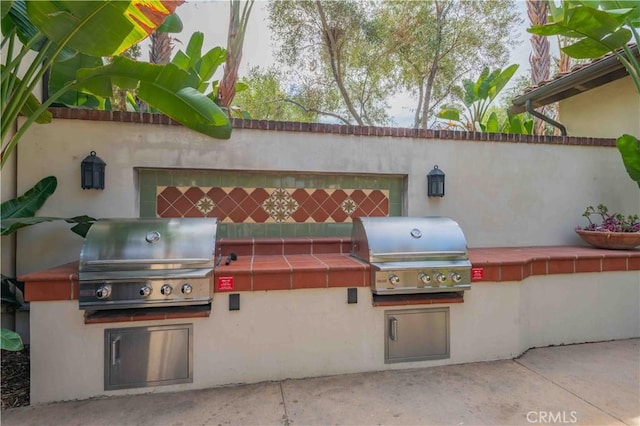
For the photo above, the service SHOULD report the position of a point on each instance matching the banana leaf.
(5, 5)
(598, 32)
(173, 24)
(30, 202)
(11, 291)
(99, 28)
(64, 72)
(200, 67)
(83, 223)
(26, 30)
(629, 148)
(165, 87)
(20, 212)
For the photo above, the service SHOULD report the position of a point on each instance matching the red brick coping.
(299, 263)
(341, 129)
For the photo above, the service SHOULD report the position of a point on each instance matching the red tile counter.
(299, 263)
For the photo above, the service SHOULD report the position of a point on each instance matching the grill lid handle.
(189, 261)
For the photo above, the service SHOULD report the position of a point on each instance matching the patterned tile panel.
(271, 205)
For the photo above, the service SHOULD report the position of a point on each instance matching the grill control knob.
(394, 279)
(186, 289)
(424, 278)
(166, 289)
(455, 277)
(145, 291)
(440, 278)
(103, 292)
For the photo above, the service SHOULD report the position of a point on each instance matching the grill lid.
(148, 244)
(407, 239)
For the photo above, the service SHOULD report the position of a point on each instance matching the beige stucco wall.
(502, 194)
(607, 111)
(304, 333)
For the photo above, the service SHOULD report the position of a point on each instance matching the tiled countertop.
(288, 264)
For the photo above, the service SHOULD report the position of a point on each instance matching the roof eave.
(599, 73)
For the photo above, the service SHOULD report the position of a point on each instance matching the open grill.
(137, 263)
(412, 254)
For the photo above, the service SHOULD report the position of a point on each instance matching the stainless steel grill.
(412, 254)
(135, 263)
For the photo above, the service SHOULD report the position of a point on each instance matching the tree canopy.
(345, 60)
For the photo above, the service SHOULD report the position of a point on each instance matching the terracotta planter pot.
(611, 240)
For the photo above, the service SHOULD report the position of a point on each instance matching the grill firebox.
(412, 254)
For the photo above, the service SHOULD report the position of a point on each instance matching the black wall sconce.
(92, 172)
(435, 182)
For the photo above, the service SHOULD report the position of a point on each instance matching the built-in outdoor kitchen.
(214, 264)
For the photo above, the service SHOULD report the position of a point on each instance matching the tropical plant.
(201, 69)
(20, 212)
(598, 28)
(11, 292)
(477, 96)
(58, 30)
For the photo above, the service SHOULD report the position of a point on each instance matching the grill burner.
(412, 254)
(136, 263)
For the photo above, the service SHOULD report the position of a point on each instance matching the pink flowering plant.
(610, 222)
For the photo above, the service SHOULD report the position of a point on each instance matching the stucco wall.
(303, 333)
(501, 193)
(607, 111)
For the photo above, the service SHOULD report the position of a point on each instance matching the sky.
(211, 18)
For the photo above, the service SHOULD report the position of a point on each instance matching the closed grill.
(138, 263)
(412, 254)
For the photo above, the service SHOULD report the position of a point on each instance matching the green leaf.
(27, 30)
(590, 48)
(629, 148)
(503, 78)
(10, 340)
(189, 107)
(99, 28)
(5, 5)
(209, 63)
(30, 202)
(173, 24)
(64, 72)
(194, 48)
(449, 114)
(492, 125)
(165, 87)
(9, 291)
(83, 223)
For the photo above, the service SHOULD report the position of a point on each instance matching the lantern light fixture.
(92, 172)
(435, 182)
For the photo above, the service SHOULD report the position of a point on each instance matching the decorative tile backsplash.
(270, 204)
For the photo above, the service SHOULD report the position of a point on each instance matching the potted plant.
(614, 231)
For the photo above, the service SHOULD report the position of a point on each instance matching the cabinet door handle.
(393, 329)
(115, 350)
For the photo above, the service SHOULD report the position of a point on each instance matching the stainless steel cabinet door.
(416, 335)
(148, 356)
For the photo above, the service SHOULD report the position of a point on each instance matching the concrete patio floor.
(586, 384)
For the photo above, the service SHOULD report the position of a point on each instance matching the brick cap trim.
(337, 129)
